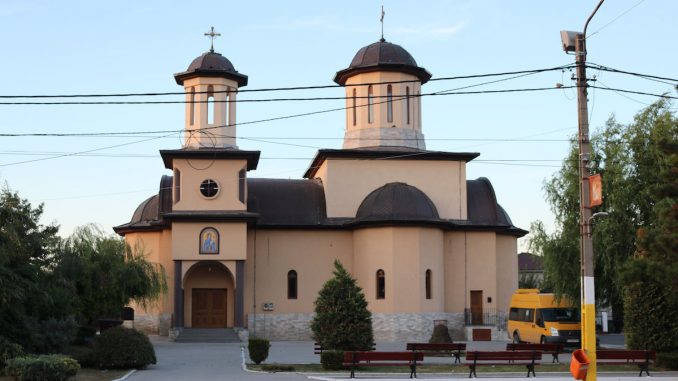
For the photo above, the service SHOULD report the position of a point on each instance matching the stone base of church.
(152, 324)
(387, 326)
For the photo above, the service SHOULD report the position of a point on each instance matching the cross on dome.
(212, 35)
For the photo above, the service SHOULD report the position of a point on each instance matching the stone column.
(239, 293)
(178, 296)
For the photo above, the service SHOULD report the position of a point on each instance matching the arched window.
(381, 284)
(370, 105)
(354, 107)
(428, 284)
(291, 284)
(191, 107)
(389, 104)
(227, 109)
(407, 103)
(210, 105)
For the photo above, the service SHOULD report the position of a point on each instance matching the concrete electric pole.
(576, 42)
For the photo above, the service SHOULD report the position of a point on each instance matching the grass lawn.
(440, 368)
(87, 374)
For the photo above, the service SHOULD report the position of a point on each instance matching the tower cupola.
(211, 84)
(383, 108)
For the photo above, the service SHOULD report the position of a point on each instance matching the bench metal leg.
(530, 369)
(644, 368)
(555, 358)
(472, 372)
(352, 371)
(413, 371)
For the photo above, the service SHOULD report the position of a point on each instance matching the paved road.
(184, 361)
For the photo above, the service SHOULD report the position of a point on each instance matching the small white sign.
(268, 306)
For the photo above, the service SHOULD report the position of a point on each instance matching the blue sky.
(76, 47)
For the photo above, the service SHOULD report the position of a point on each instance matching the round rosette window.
(209, 188)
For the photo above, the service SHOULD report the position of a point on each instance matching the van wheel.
(516, 338)
(542, 340)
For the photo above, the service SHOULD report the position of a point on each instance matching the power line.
(646, 76)
(293, 88)
(634, 92)
(615, 19)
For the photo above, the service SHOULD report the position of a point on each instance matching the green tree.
(26, 254)
(105, 274)
(628, 158)
(652, 275)
(342, 320)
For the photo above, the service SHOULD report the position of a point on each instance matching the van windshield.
(560, 314)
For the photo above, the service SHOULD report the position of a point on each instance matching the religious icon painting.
(209, 241)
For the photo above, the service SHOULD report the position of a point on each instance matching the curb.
(131, 372)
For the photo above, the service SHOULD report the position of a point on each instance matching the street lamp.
(576, 42)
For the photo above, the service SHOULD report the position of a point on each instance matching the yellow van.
(537, 318)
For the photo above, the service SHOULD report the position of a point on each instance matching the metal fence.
(486, 317)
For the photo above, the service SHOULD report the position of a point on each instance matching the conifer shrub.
(8, 351)
(43, 368)
(258, 349)
(332, 360)
(123, 348)
(342, 320)
(441, 335)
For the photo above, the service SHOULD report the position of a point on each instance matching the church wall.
(232, 240)
(455, 271)
(273, 253)
(195, 171)
(348, 182)
(507, 274)
(156, 246)
(482, 267)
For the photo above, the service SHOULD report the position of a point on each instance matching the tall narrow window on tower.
(381, 284)
(177, 185)
(227, 108)
(355, 120)
(428, 284)
(407, 103)
(191, 111)
(210, 105)
(389, 104)
(370, 105)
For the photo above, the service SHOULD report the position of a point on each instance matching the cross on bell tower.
(212, 35)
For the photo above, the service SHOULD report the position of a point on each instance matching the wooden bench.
(477, 358)
(409, 359)
(445, 349)
(318, 348)
(552, 349)
(641, 358)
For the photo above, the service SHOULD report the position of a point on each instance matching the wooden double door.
(209, 307)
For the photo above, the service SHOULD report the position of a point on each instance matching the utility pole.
(588, 302)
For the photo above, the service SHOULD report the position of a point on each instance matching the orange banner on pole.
(595, 190)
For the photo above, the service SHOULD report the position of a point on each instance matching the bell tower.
(211, 84)
(383, 102)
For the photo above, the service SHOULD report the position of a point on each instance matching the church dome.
(382, 56)
(397, 201)
(211, 64)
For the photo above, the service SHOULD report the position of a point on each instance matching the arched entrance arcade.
(209, 295)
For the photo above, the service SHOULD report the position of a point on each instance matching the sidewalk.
(186, 361)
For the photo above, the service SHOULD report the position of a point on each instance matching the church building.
(424, 243)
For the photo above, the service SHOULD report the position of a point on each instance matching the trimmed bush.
(668, 360)
(332, 360)
(258, 349)
(84, 335)
(8, 351)
(441, 335)
(43, 368)
(123, 348)
(83, 354)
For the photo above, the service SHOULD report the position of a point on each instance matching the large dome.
(211, 64)
(382, 56)
(397, 202)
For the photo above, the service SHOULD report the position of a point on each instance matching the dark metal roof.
(286, 202)
(397, 201)
(390, 153)
(252, 157)
(148, 215)
(211, 64)
(529, 262)
(382, 56)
